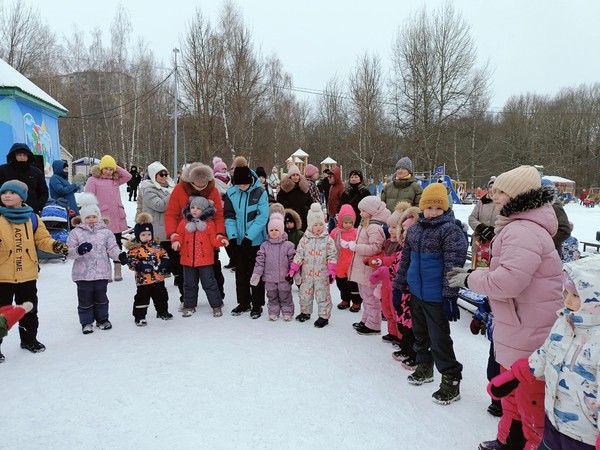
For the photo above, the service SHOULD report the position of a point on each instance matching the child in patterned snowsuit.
(369, 242)
(316, 257)
(342, 235)
(94, 247)
(273, 264)
(569, 362)
(150, 262)
(196, 239)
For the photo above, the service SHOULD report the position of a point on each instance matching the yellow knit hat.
(108, 162)
(518, 180)
(434, 195)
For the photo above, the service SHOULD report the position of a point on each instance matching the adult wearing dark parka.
(20, 167)
(403, 187)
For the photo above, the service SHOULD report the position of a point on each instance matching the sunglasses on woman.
(162, 174)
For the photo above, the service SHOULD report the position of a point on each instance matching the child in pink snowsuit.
(369, 242)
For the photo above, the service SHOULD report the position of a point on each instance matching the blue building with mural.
(30, 115)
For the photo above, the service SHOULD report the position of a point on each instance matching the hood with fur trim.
(97, 173)
(534, 205)
(294, 215)
(287, 184)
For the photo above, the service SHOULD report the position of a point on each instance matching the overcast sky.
(536, 46)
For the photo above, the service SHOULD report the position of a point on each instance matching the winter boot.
(104, 325)
(141, 322)
(492, 445)
(357, 325)
(449, 390)
(422, 374)
(87, 328)
(343, 305)
(240, 309)
(256, 312)
(366, 331)
(164, 316)
(390, 338)
(34, 347)
(217, 312)
(495, 408)
(188, 312)
(118, 276)
(355, 307)
(321, 322)
(302, 317)
(2, 358)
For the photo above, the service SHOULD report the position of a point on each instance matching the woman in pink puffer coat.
(524, 286)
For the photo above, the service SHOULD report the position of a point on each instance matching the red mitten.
(14, 313)
(522, 371)
(502, 385)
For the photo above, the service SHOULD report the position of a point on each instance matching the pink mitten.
(254, 279)
(502, 385)
(331, 272)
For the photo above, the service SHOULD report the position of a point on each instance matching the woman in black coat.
(354, 191)
(293, 193)
(132, 185)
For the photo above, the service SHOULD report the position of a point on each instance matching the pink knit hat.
(218, 165)
(276, 222)
(310, 170)
(293, 170)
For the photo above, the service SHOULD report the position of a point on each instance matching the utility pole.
(175, 114)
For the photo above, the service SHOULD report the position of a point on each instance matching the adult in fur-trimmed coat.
(524, 286)
(294, 193)
(355, 190)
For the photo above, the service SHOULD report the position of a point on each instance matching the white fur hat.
(89, 206)
(315, 215)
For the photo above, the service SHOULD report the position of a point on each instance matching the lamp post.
(175, 113)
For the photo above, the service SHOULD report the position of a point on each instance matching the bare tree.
(434, 77)
(26, 43)
(367, 110)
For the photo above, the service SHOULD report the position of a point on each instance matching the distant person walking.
(132, 185)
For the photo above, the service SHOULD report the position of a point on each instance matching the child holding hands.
(94, 248)
(196, 239)
(569, 363)
(316, 258)
(149, 261)
(273, 262)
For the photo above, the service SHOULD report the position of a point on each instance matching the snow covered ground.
(230, 382)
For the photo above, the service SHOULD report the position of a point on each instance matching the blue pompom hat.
(18, 187)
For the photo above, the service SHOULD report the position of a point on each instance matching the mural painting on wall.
(38, 139)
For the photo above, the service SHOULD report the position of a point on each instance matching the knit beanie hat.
(518, 180)
(18, 187)
(310, 170)
(357, 173)
(405, 163)
(218, 164)
(89, 206)
(293, 170)
(242, 175)
(143, 222)
(108, 162)
(276, 223)
(398, 211)
(315, 215)
(370, 204)
(260, 172)
(197, 173)
(200, 202)
(434, 195)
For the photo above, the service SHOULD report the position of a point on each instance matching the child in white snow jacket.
(149, 261)
(569, 363)
(316, 257)
(272, 264)
(94, 247)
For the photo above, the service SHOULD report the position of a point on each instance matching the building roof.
(11, 78)
(557, 179)
(329, 160)
(300, 152)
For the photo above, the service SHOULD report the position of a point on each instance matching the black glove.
(289, 279)
(163, 266)
(499, 387)
(246, 243)
(330, 278)
(123, 258)
(84, 248)
(59, 248)
(487, 234)
(144, 268)
(451, 310)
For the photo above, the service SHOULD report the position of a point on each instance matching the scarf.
(16, 215)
